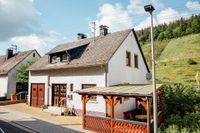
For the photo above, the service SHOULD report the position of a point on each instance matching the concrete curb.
(11, 102)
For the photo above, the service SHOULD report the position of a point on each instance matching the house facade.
(106, 60)
(9, 65)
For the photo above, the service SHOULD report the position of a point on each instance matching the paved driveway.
(8, 128)
(36, 120)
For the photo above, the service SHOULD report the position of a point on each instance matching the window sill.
(90, 101)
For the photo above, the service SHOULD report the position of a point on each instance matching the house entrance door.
(59, 95)
(37, 95)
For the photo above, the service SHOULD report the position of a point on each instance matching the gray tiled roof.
(7, 65)
(98, 52)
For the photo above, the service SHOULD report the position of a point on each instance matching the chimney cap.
(81, 35)
(104, 26)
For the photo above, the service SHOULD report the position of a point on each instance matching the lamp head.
(149, 8)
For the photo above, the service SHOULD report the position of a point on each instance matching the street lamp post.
(150, 9)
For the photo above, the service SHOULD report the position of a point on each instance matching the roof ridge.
(97, 53)
(73, 43)
(10, 61)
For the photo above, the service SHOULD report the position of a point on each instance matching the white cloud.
(146, 23)
(40, 42)
(136, 7)
(193, 5)
(118, 18)
(17, 18)
(114, 16)
(169, 15)
(164, 16)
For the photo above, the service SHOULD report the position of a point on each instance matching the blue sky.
(43, 24)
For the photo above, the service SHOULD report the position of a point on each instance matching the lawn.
(182, 47)
(177, 72)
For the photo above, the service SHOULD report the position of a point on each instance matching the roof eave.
(95, 65)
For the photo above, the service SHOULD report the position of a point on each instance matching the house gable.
(119, 72)
(8, 71)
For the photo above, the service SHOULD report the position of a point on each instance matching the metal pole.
(155, 116)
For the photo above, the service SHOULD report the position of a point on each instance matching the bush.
(191, 62)
(181, 107)
(175, 129)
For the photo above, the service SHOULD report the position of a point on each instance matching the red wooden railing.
(102, 125)
(124, 126)
(97, 124)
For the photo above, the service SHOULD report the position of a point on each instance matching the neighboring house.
(9, 64)
(106, 60)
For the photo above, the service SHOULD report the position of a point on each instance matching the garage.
(37, 95)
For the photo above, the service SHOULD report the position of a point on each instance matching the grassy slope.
(181, 47)
(176, 71)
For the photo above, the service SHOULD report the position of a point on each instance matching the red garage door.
(37, 95)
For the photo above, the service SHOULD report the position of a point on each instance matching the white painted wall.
(38, 77)
(3, 85)
(119, 73)
(92, 75)
(12, 75)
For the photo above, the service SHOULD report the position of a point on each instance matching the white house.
(106, 60)
(9, 64)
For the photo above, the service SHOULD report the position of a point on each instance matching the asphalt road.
(8, 128)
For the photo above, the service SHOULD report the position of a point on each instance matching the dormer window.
(55, 59)
(59, 57)
(68, 55)
(65, 57)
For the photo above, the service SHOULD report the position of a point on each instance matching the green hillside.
(172, 57)
(177, 71)
(187, 46)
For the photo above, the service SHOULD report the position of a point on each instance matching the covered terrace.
(134, 120)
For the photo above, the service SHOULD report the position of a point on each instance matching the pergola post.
(149, 102)
(136, 103)
(83, 110)
(111, 114)
(111, 102)
(85, 99)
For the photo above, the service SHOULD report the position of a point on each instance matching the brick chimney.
(9, 53)
(103, 30)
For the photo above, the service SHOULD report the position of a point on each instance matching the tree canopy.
(174, 29)
(22, 73)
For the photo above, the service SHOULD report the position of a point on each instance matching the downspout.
(48, 88)
(48, 83)
(106, 85)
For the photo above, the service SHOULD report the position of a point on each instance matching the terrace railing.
(125, 126)
(97, 123)
(103, 125)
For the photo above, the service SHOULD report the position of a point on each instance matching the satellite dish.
(148, 76)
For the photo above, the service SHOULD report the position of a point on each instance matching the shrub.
(181, 107)
(175, 129)
(191, 62)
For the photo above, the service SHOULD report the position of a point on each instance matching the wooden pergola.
(112, 96)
